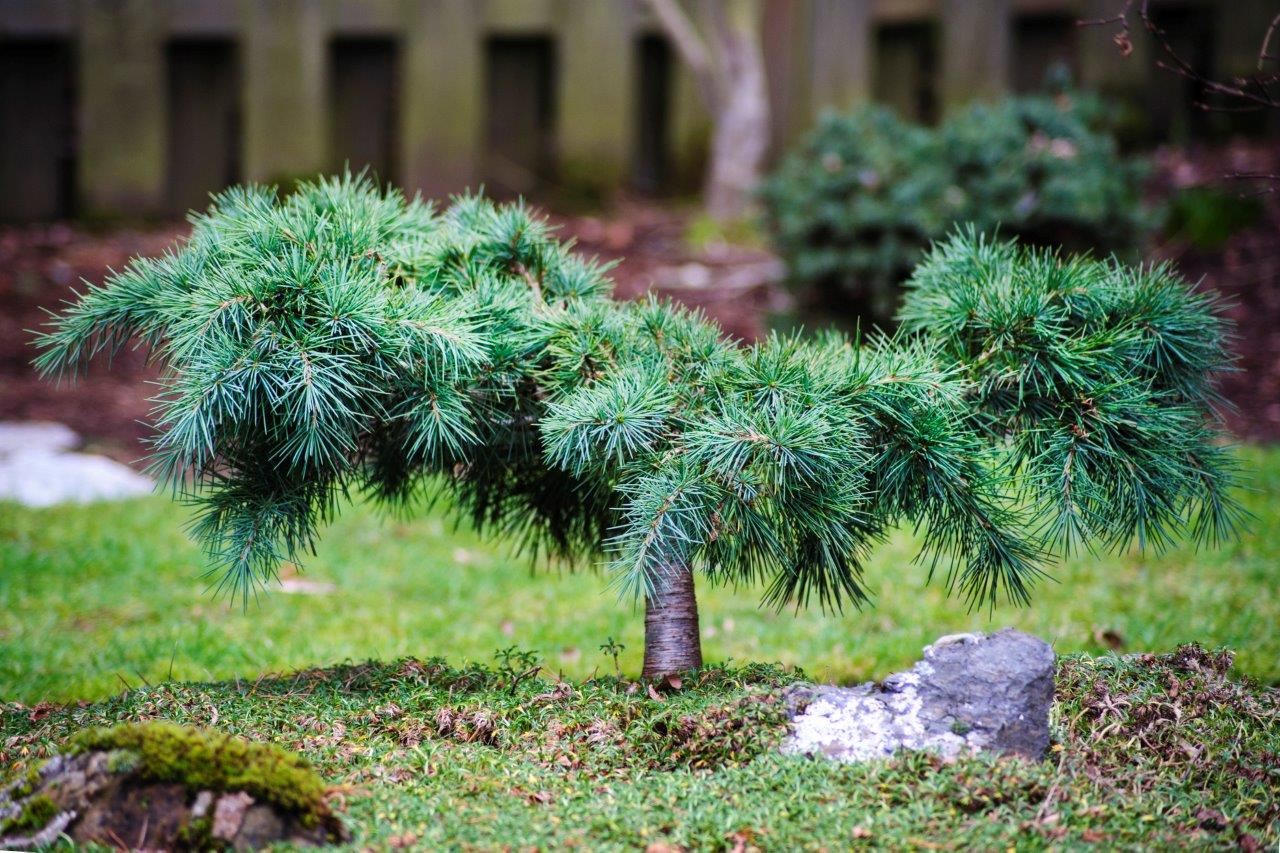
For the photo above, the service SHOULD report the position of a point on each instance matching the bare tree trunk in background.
(729, 70)
(672, 642)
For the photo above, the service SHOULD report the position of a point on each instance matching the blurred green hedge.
(853, 207)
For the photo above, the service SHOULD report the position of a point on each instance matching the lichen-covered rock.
(161, 786)
(971, 693)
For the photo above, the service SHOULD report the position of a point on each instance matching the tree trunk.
(671, 640)
(740, 133)
(729, 70)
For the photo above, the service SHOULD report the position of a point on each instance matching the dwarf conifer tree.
(346, 340)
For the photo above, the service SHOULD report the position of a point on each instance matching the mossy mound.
(172, 786)
(208, 760)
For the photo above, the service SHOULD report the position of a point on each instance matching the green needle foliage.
(1096, 376)
(345, 339)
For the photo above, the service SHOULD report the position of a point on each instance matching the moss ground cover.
(1149, 751)
(208, 760)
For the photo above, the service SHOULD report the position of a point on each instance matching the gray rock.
(971, 693)
(228, 815)
(44, 477)
(17, 436)
(261, 826)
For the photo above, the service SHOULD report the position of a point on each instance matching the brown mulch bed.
(1246, 271)
(41, 265)
(732, 285)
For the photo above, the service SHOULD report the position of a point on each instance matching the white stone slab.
(17, 436)
(41, 478)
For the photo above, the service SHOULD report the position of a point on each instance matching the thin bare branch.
(1122, 18)
(1272, 180)
(691, 47)
(1263, 55)
(1240, 94)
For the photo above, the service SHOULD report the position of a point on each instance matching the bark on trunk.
(672, 642)
(740, 136)
(729, 69)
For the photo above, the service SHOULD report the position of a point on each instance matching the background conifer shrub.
(854, 207)
(1047, 170)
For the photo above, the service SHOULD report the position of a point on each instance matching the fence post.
(122, 107)
(596, 93)
(975, 50)
(441, 119)
(284, 89)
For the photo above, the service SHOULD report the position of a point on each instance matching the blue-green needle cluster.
(344, 339)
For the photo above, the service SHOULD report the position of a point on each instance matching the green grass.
(99, 597)
(1149, 753)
